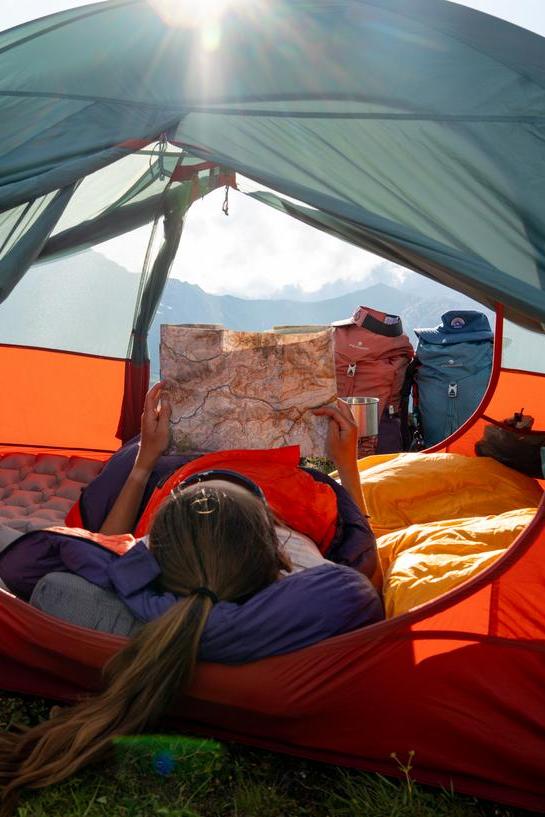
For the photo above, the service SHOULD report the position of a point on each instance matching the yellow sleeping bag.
(407, 489)
(425, 561)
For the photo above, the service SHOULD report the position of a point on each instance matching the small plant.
(406, 769)
(319, 463)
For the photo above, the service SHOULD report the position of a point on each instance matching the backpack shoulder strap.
(409, 388)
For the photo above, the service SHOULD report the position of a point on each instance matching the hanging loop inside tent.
(159, 149)
(225, 205)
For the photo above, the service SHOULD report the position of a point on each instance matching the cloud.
(253, 252)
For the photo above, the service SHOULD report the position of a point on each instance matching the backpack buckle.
(351, 370)
(453, 389)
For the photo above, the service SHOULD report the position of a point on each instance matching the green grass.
(209, 779)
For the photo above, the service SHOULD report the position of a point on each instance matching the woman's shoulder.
(294, 612)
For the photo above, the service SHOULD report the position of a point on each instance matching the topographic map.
(247, 389)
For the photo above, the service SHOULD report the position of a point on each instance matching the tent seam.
(192, 108)
(62, 24)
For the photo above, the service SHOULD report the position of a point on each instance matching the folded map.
(247, 389)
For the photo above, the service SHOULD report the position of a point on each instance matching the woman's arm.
(341, 447)
(153, 442)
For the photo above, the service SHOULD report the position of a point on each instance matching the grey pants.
(79, 602)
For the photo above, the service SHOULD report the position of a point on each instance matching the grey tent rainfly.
(399, 126)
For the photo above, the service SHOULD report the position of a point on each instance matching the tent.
(413, 128)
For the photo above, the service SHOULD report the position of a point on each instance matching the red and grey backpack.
(371, 357)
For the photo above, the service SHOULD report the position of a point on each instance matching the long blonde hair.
(203, 537)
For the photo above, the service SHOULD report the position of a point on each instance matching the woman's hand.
(341, 447)
(154, 426)
(153, 442)
(342, 434)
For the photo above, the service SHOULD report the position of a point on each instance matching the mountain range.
(85, 303)
(418, 307)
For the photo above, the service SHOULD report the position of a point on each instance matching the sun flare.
(190, 13)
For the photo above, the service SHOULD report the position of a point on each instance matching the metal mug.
(365, 413)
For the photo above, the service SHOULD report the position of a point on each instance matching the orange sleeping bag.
(425, 561)
(441, 519)
(408, 489)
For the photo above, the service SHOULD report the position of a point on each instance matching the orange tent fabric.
(60, 399)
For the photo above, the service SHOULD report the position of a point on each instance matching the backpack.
(371, 356)
(452, 369)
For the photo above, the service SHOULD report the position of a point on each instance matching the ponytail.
(142, 681)
(227, 554)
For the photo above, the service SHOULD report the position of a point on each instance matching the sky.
(262, 251)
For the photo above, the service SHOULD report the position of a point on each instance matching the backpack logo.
(457, 323)
(453, 389)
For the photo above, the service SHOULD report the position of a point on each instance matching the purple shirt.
(293, 612)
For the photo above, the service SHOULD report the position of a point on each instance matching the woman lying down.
(238, 565)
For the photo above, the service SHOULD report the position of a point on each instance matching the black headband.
(205, 591)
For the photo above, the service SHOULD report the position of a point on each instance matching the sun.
(191, 13)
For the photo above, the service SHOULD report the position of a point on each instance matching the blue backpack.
(452, 369)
